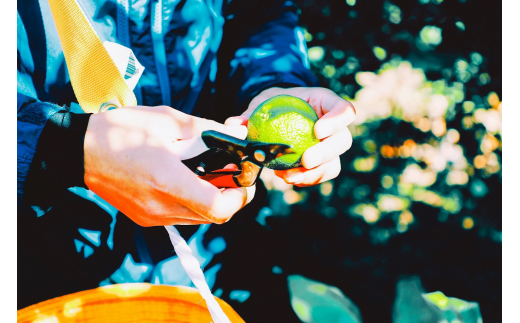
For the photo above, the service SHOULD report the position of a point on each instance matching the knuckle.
(164, 109)
(156, 182)
(328, 91)
(199, 124)
(150, 208)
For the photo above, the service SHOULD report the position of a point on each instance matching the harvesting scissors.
(249, 157)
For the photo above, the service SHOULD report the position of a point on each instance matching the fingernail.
(233, 121)
(323, 132)
(238, 131)
(296, 178)
(312, 161)
(240, 120)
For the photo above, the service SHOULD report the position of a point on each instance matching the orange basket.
(126, 303)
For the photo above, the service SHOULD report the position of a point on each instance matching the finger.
(172, 221)
(328, 149)
(328, 99)
(190, 126)
(236, 121)
(235, 130)
(228, 203)
(306, 177)
(183, 215)
(212, 203)
(190, 222)
(251, 190)
(336, 117)
(153, 214)
(194, 146)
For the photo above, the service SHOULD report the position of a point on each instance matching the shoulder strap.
(93, 74)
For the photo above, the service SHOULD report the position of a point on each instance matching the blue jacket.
(204, 57)
(259, 45)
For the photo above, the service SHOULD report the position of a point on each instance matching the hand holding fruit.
(321, 161)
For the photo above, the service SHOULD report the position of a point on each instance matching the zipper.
(159, 50)
(123, 36)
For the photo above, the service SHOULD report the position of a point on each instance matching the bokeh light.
(426, 159)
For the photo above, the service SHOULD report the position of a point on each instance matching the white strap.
(132, 70)
(192, 268)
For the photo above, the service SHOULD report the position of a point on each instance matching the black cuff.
(60, 148)
(59, 159)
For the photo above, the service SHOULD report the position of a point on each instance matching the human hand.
(321, 161)
(133, 161)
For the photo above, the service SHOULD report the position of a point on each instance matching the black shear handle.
(209, 166)
(211, 160)
(225, 150)
(219, 140)
(244, 178)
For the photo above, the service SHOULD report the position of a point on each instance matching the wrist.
(92, 148)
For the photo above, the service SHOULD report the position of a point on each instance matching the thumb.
(238, 120)
(194, 146)
(235, 129)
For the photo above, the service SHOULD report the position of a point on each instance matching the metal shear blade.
(264, 153)
(249, 157)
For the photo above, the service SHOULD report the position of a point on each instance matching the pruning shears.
(249, 158)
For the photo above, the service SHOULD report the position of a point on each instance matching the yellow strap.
(93, 74)
(96, 80)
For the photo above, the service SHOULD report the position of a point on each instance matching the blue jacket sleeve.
(32, 116)
(263, 46)
(50, 152)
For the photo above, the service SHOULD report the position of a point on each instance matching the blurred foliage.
(414, 306)
(420, 190)
(315, 302)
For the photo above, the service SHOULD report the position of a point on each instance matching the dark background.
(454, 246)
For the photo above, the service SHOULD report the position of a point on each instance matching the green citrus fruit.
(284, 119)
